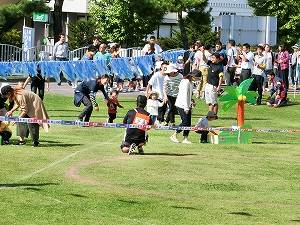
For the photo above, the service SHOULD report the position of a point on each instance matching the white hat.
(2, 85)
(180, 57)
(171, 68)
(296, 46)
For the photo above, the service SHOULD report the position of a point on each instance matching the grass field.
(79, 175)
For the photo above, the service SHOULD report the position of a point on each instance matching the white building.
(230, 7)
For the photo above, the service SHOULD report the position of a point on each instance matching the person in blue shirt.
(86, 92)
(102, 54)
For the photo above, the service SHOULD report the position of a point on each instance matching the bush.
(12, 37)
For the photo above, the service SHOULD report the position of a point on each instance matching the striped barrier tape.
(156, 127)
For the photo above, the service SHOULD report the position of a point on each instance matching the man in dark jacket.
(86, 93)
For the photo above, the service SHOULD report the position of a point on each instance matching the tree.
(57, 19)
(197, 18)
(125, 21)
(11, 14)
(81, 33)
(239, 95)
(287, 13)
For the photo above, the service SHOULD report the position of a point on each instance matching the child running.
(203, 123)
(152, 106)
(113, 104)
(136, 137)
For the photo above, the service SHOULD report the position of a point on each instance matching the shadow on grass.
(63, 110)
(241, 213)
(168, 154)
(78, 195)
(62, 145)
(27, 186)
(128, 201)
(296, 221)
(183, 207)
(275, 143)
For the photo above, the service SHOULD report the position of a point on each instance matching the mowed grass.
(79, 175)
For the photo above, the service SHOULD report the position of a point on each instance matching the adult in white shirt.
(295, 65)
(157, 48)
(258, 73)
(184, 107)
(270, 59)
(231, 61)
(247, 62)
(156, 84)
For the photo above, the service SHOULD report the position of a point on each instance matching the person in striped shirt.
(86, 93)
(170, 89)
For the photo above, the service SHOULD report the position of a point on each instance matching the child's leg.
(111, 117)
(6, 135)
(204, 135)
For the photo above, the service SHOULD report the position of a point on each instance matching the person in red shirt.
(113, 104)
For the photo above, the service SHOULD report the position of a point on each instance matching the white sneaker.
(131, 149)
(186, 141)
(174, 139)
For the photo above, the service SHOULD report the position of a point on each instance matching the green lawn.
(79, 175)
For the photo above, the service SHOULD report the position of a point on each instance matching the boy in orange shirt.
(113, 104)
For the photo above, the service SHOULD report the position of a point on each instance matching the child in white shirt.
(203, 123)
(152, 106)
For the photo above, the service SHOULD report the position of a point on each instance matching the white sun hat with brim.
(296, 46)
(171, 68)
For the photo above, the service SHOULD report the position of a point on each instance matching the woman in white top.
(184, 107)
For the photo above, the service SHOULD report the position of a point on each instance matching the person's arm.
(221, 75)
(119, 105)
(13, 109)
(104, 92)
(55, 50)
(148, 89)
(26, 82)
(125, 120)
(165, 88)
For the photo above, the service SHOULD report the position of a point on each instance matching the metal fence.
(77, 53)
(10, 53)
(131, 52)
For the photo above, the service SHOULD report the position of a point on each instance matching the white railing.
(10, 53)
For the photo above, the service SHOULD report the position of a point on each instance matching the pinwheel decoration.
(239, 95)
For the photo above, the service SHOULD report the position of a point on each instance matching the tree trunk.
(184, 37)
(240, 113)
(57, 19)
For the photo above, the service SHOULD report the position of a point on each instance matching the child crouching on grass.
(113, 104)
(136, 137)
(152, 106)
(5, 133)
(203, 123)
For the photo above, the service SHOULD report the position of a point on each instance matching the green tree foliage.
(12, 37)
(11, 14)
(126, 21)
(287, 13)
(197, 24)
(81, 33)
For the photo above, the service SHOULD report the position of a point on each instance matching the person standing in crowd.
(61, 53)
(136, 137)
(222, 52)
(31, 106)
(184, 107)
(270, 58)
(156, 84)
(258, 73)
(232, 61)
(171, 84)
(102, 54)
(152, 41)
(283, 63)
(94, 47)
(201, 64)
(295, 62)
(37, 83)
(189, 57)
(247, 62)
(213, 86)
(86, 92)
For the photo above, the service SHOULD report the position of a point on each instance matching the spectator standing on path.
(61, 53)
(31, 106)
(247, 62)
(295, 61)
(152, 41)
(94, 47)
(258, 73)
(156, 84)
(232, 61)
(37, 83)
(283, 62)
(213, 86)
(86, 92)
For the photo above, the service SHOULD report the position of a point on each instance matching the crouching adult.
(31, 106)
(136, 137)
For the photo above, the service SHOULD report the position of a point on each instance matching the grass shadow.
(296, 221)
(78, 195)
(275, 143)
(169, 154)
(27, 186)
(240, 213)
(184, 207)
(32, 189)
(62, 145)
(128, 201)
